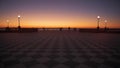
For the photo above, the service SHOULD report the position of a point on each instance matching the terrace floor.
(59, 49)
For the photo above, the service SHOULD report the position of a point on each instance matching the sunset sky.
(60, 13)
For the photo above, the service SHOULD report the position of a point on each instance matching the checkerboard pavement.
(57, 51)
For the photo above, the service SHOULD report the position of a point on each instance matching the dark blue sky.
(90, 5)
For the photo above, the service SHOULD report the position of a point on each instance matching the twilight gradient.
(60, 13)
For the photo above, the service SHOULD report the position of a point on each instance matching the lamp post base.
(7, 29)
(19, 28)
(98, 28)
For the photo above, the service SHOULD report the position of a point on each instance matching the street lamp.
(98, 18)
(18, 21)
(19, 28)
(7, 23)
(105, 24)
(18, 15)
(7, 28)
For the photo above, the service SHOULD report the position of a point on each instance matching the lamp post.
(98, 21)
(18, 21)
(7, 28)
(19, 28)
(105, 24)
(7, 23)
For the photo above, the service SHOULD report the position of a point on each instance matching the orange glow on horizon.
(56, 20)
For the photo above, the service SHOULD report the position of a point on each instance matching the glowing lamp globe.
(105, 20)
(98, 16)
(7, 20)
(18, 15)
